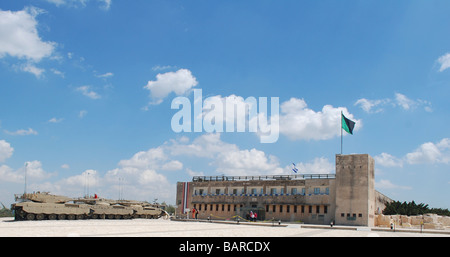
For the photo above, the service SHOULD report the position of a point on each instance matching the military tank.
(40, 206)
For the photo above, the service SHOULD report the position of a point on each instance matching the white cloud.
(404, 102)
(298, 122)
(371, 106)
(55, 120)
(318, 166)
(35, 170)
(104, 4)
(6, 150)
(19, 37)
(86, 91)
(247, 162)
(179, 82)
(431, 153)
(227, 158)
(387, 160)
(444, 61)
(106, 75)
(82, 114)
(7, 174)
(400, 100)
(22, 132)
(386, 184)
(31, 68)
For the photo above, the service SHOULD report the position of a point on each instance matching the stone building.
(347, 197)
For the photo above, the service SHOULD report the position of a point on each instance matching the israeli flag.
(294, 169)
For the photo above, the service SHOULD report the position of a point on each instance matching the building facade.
(347, 197)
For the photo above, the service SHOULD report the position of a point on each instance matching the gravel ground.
(167, 228)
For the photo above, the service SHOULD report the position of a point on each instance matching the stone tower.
(355, 190)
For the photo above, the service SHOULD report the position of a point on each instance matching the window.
(273, 191)
(316, 190)
(295, 208)
(325, 209)
(282, 191)
(360, 215)
(294, 191)
(217, 191)
(253, 191)
(288, 208)
(327, 190)
(310, 209)
(234, 191)
(273, 208)
(317, 209)
(281, 208)
(201, 191)
(303, 209)
(303, 191)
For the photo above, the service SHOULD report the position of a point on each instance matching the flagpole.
(341, 133)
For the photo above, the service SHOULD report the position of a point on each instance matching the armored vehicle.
(40, 206)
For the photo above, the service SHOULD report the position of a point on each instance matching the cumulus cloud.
(19, 36)
(387, 160)
(431, 153)
(179, 82)
(6, 150)
(298, 122)
(319, 165)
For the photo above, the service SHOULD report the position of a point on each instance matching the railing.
(264, 177)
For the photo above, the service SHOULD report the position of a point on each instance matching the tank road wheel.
(94, 216)
(110, 216)
(61, 216)
(30, 216)
(71, 217)
(52, 216)
(118, 217)
(40, 216)
(80, 217)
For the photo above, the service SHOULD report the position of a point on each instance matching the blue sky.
(87, 85)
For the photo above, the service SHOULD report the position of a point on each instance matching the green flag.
(347, 124)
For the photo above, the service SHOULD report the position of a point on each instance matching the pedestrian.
(255, 216)
(196, 214)
(252, 216)
(193, 213)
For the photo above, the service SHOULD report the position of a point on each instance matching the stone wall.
(429, 221)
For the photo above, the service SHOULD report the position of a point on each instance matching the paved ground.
(167, 228)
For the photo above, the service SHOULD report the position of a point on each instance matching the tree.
(5, 212)
(411, 209)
